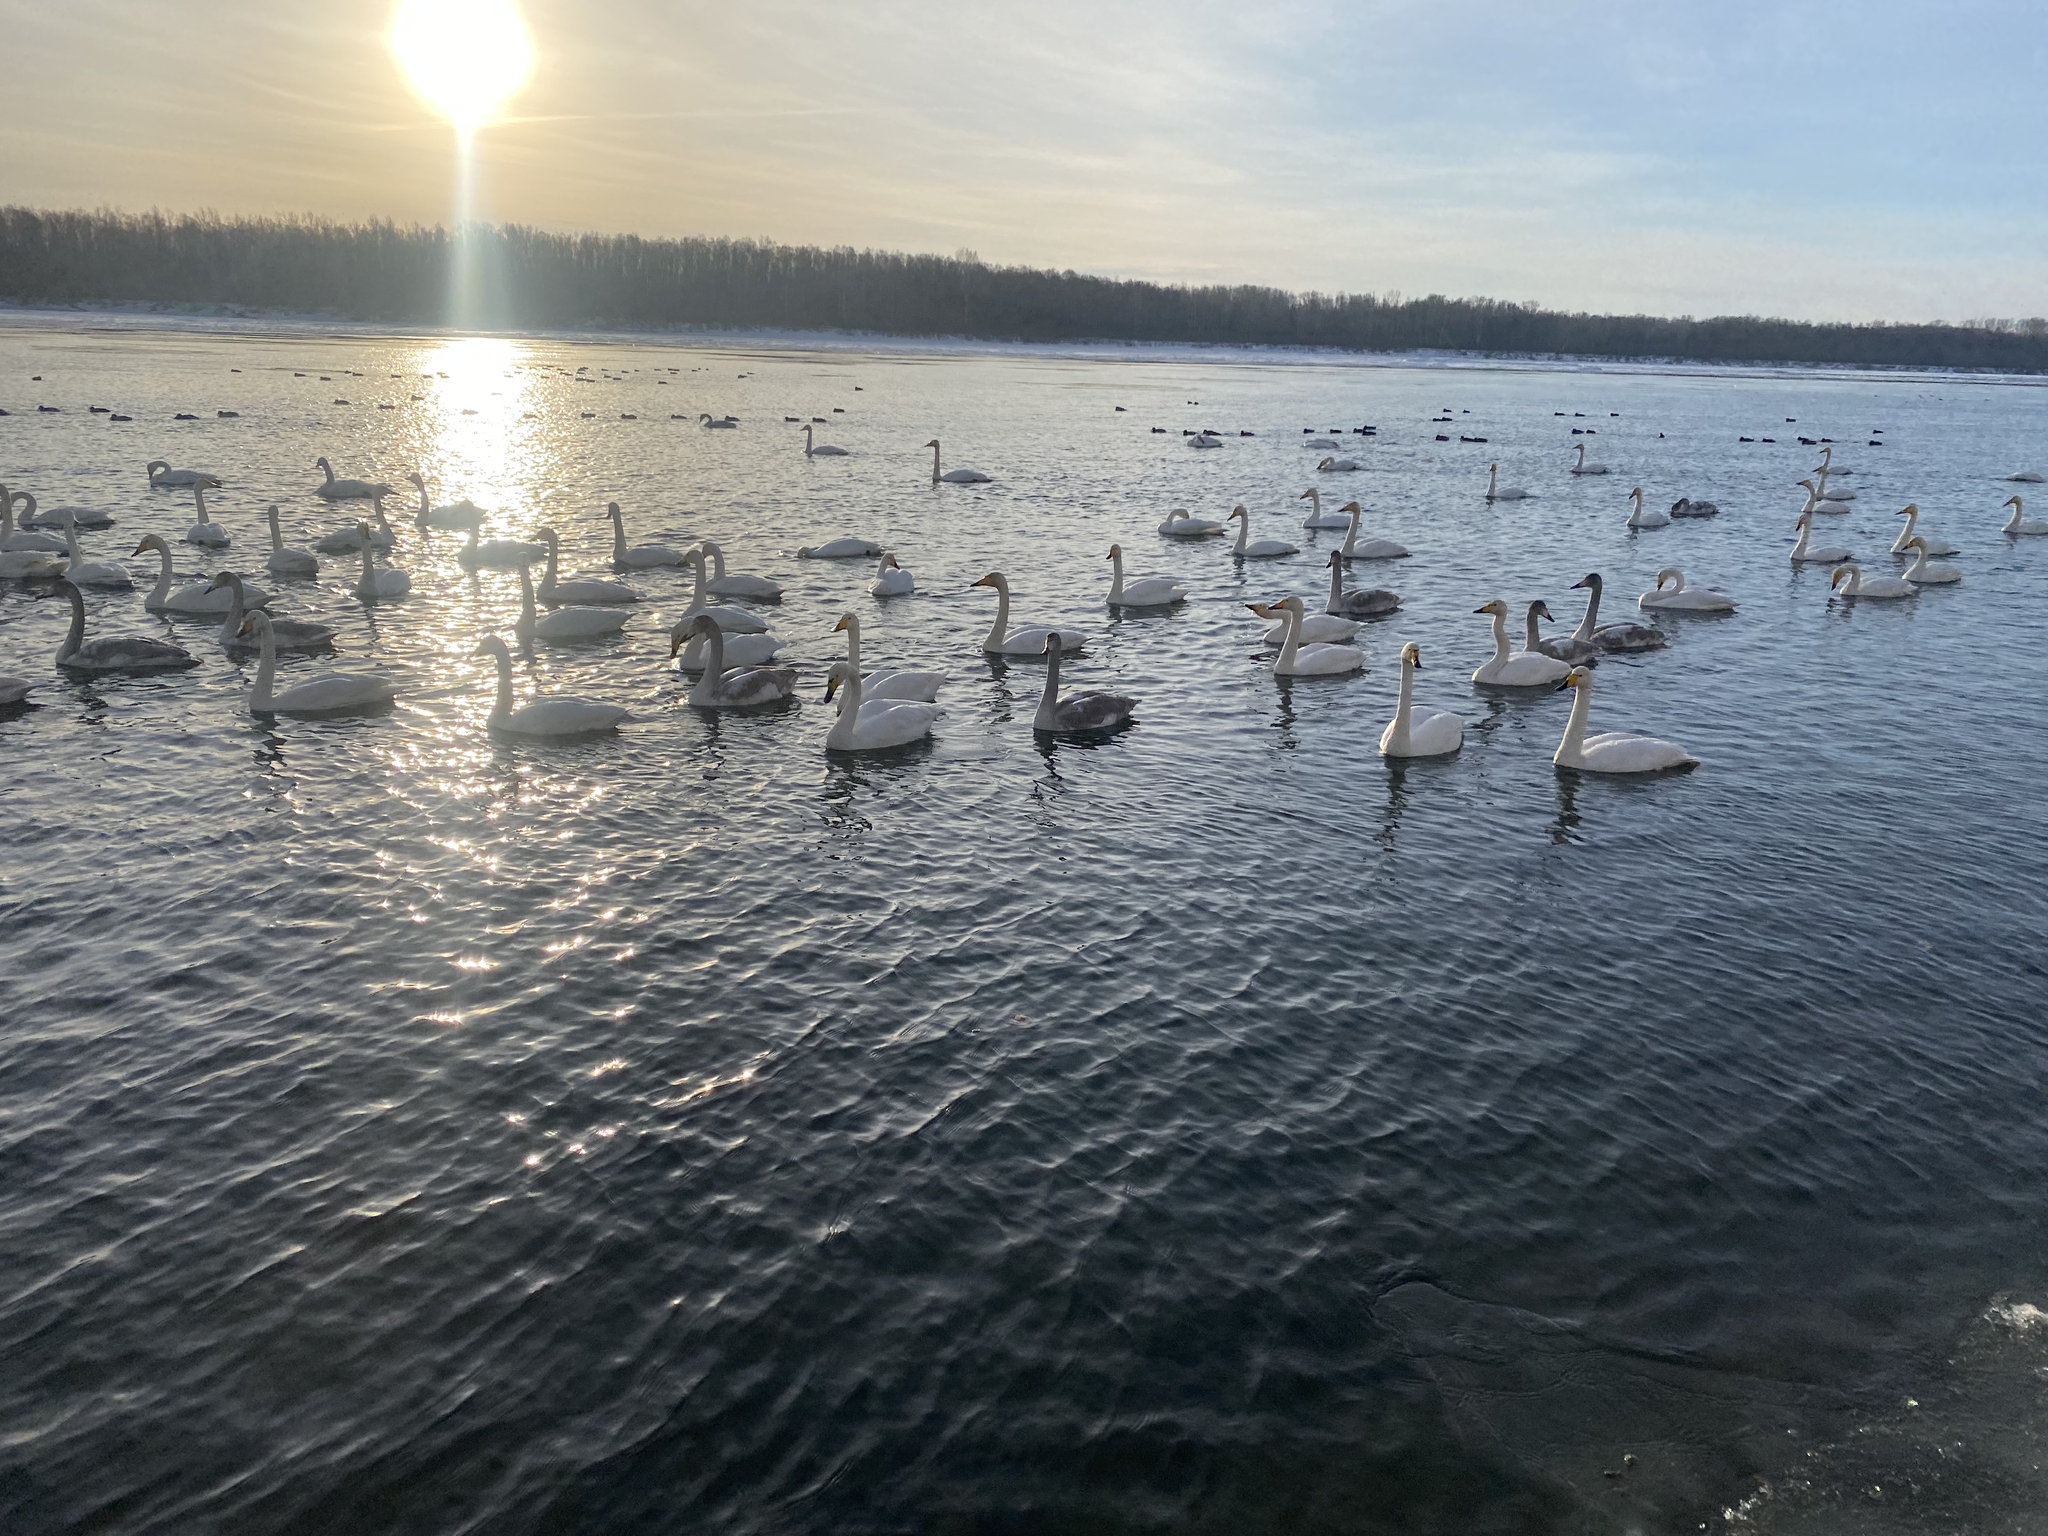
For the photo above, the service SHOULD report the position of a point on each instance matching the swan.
(1312, 660)
(563, 623)
(1610, 751)
(1323, 444)
(195, 598)
(1366, 602)
(741, 687)
(1822, 508)
(29, 565)
(347, 490)
(1625, 636)
(2019, 523)
(689, 650)
(759, 588)
(891, 580)
(1316, 628)
(1851, 574)
(25, 543)
(1903, 544)
(1317, 517)
(329, 693)
(14, 690)
(1371, 549)
(1515, 669)
(1337, 466)
(2024, 477)
(1821, 491)
(738, 621)
(1930, 575)
(499, 554)
(1805, 553)
(1828, 466)
(718, 423)
(164, 478)
(887, 685)
(103, 574)
(1581, 467)
(841, 549)
(873, 725)
(1179, 525)
(1026, 640)
(92, 519)
(578, 589)
(456, 517)
(287, 562)
(1203, 440)
(1638, 518)
(286, 634)
(204, 530)
(1080, 713)
(1140, 591)
(1264, 549)
(641, 556)
(953, 476)
(1498, 492)
(821, 450)
(113, 653)
(374, 584)
(1682, 599)
(1562, 647)
(1419, 733)
(348, 538)
(560, 716)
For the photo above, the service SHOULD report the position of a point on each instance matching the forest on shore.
(384, 272)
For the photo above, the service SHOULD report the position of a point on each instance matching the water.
(1212, 1129)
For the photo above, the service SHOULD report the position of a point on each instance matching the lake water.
(1210, 1129)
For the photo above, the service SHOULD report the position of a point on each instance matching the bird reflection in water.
(1284, 718)
(1564, 829)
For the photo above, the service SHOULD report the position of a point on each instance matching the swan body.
(1179, 525)
(759, 588)
(1611, 751)
(1337, 466)
(376, 585)
(1371, 549)
(196, 598)
(691, 652)
(563, 623)
(347, 490)
(891, 580)
(1317, 517)
(498, 554)
(2019, 524)
(1263, 549)
(285, 634)
(1680, 598)
(1323, 444)
(204, 530)
(873, 725)
(1419, 733)
(164, 478)
(738, 687)
(1848, 575)
(347, 540)
(1498, 492)
(1204, 440)
(457, 517)
(1903, 544)
(114, 653)
(904, 684)
(1581, 467)
(718, 423)
(1828, 466)
(639, 557)
(83, 573)
(820, 450)
(1316, 628)
(1561, 647)
(1603, 638)
(92, 519)
(24, 543)
(1925, 575)
(731, 620)
(14, 690)
(1515, 669)
(1027, 639)
(1366, 602)
(1822, 508)
(1638, 518)
(578, 589)
(29, 565)
(1306, 660)
(1820, 487)
(560, 716)
(1805, 552)
(1081, 713)
(331, 693)
(2024, 477)
(953, 476)
(283, 561)
(1140, 591)
(841, 549)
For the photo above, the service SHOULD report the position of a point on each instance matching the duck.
(113, 653)
(813, 450)
(639, 557)
(1624, 637)
(24, 543)
(1638, 518)
(347, 490)
(887, 685)
(559, 716)
(1366, 602)
(1026, 640)
(1323, 444)
(757, 588)
(953, 476)
(1337, 466)
(1140, 591)
(567, 623)
(329, 693)
(1822, 508)
(1925, 575)
(1297, 659)
(1610, 751)
(1850, 575)
(1317, 517)
(873, 725)
(1561, 647)
(1203, 440)
(1263, 549)
(499, 554)
(1371, 549)
(84, 573)
(578, 589)
(1498, 492)
(1805, 552)
(1581, 467)
(1903, 544)
(164, 478)
(195, 598)
(1179, 525)
(1080, 714)
(456, 517)
(286, 634)
(204, 530)
(1515, 669)
(1828, 466)
(1683, 599)
(1418, 733)
(731, 620)
(891, 580)
(376, 585)
(348, 538)
(283, 561)
(2019, 524)
(738, 687)
(840, 549)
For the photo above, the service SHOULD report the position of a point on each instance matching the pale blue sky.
(1822, 160)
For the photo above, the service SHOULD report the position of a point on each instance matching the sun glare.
(465, 58)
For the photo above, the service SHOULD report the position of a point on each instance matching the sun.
(466, 58)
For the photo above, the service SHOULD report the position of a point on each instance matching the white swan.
(639, 557)
(347, 490)
(737, 687)
(1850, 574)
(887, 685)
(691, 651)
(330, 693)
(1683, 599)
(84, 573)
(92, 519)
(204, 530)
(282, 561)
(739, 584)
(1923, 574)
(1822, 508)
(953, 476)
(731, 620)
(1311, 660)
(1263, 549)
(348, 538)
(195, 597)
(1638, 518)
(1317, 517)
(23, 543)
(1806, 552)
(1316, 628)
(891, 580)
(114, 653)
(1828, 466)
(1821, 491)
(821, 450)
(498, 554)
(1510, 668)
(1903, 544)
(375, 585)
(1581, 467)
(560, 716)
(2024, 477)
(1337, 466)
(1419, 733)
(14, 690)
(840, 549)
(873, 725)
(578, 589)
(1080, 714)
(1203, 440)
(286, 634)
(1365, 602)
(1140, 591)
(1179, 525)
(563, 623)
(164, 478)
(1371, 549)
(1611, 751)
(2019, 524)
(1026, 640)
(1498, 492)
(29, 565)
(456, 517)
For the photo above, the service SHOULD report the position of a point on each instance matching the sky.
(1880, 160)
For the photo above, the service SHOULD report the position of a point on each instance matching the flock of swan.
(724, 638)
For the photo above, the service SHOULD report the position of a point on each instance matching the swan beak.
(140, 548)
(842, 624)
(982, 582)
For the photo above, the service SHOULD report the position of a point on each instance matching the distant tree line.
(384, 272)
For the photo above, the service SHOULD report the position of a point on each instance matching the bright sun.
(464, 57)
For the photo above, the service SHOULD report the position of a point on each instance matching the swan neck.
(1336, 582)
(527, 617)
(74, 637)
(502, 705)
(1568, 750)
(199, 500)
(266, 671)
(619, 550)
(1048, 701)
(1244, 533)
(1592, 618)
(276, 533)
(1500, 637)
(547, 582)
(71, 540)
(843, 728)
(1001, 626)
(1534, 634)
(1290, 643)
(1351, 534)
(424, 509)
(935, 461)
(853, 646)
(1116, 574)
(162, 589)
(697, 562)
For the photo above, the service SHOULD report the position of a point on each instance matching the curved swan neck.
(842, 733)
(528, 619)
(717, 560)
(266, 671)
(323, 464)
(1351, 534)
(1001, 626)
(1500, 635)
(502, 705)
(1315, 500)
(1048, 702)
(2019, 510)
(1585, 629)
(714, 662)
(71, 539)
(1575, 727)
(1284, 662)
(162, 589)
(697, 564)
(74, 637)
(1805, 533)
(1919, 564)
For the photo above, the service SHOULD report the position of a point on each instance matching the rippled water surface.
(1209, 1129)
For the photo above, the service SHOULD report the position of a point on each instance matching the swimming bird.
(347, 490)
(820, 450)
(758, 588)
(953, 476)
(30, 565)
(903, 684)
(1179, 525)
(1081, 713)
(738, 687)
(1317, 517)
(559, 716)
(841, 549)
(1581, 467)
(24, 543)
(1683, 599)
(2019, 523)
(286, 634)
(1608, 638)
(499, 554)
(2024, 477)
(1371, 549)
(731, 620)
(1263, 549)
(376, 585)
(282, 561)
(1140, 591)
(113, 653)
(1026, 640)
(1316, 628)
(348, 538)
(1418, 732)
(720, 423)
(204, 530)
(1822, 508)
(1806, 552)
(1497, 492)
(891, 580)
(328, 693)
(1610, 751)
(1687, 506)
(195, 597)
(1203, 440)
(1850, 574)
(1638, 518)
(639, 557)
(1514, 669)
(1923, 574)
(92, 519)
(1903, 544)
(1828, 466)
(1824, 492)
(164, 478)
(578, 589)
(84, 573)
(456, 517)
(691, 652)
(568, 623)
(1365, 602)
(1297, 659)
(1337, 466)
(1561, 647)
(873, 725)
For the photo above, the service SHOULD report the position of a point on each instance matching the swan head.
(1263, 610)
(417, 479)
(847, 622)
(490, 645)
(1352, 506)
(842, 672)
(1411, 656)
(1235, 514)
(889, 563)
(1636, 496)
(612, 511)
(224, 579)
(1591, 581)
(1917, 542)
(1670, 573)
(1841, 574)
(154, 465)
(1806, 484)
(1116, 550)
(1578, 677)
(2015, 502)
(1911, 509)
(933, 443)
(362, 528)
(1497, 608)
(547, 536)
(1052, 643)
(1305, 495)
(320, 463)
(1542, 609)
(994, 579)
(1336, 558)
